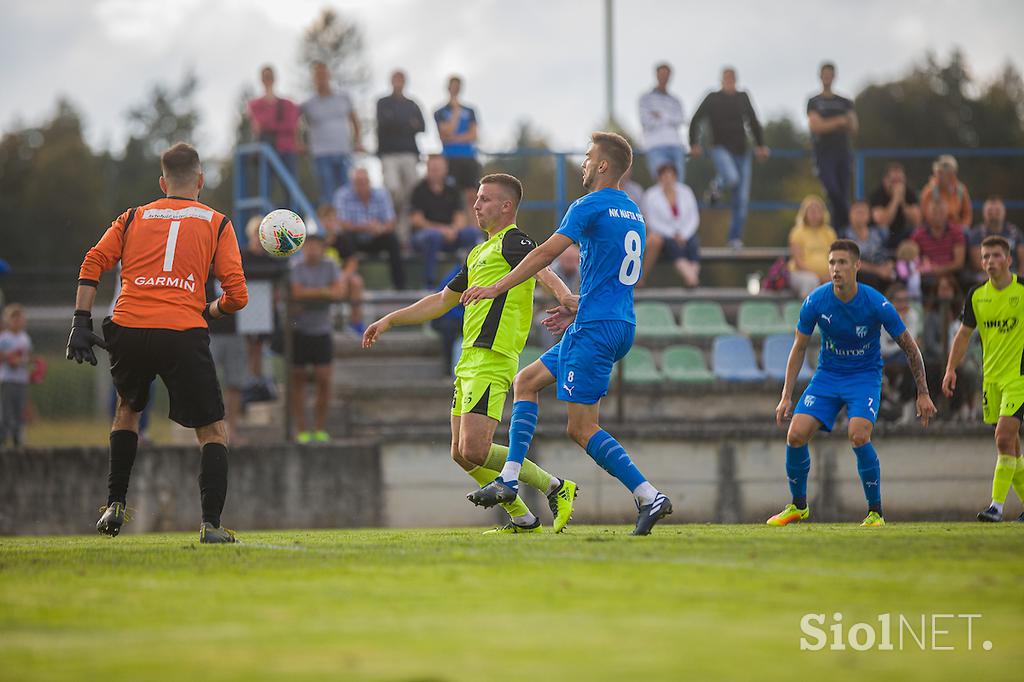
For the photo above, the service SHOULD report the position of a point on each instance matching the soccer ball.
(282, 232)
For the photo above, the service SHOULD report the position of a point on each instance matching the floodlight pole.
(609, 69)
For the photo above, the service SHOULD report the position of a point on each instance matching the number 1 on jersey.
(629, 271)
(172, 242)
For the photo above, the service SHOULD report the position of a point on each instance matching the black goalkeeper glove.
(82, 339)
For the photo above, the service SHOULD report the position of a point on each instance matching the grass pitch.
(689, 602)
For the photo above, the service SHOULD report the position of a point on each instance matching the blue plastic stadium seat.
(732, 359)
(776, 355)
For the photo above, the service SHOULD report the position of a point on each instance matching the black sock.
(123, 446)
(877, 508)
(213, 481)
(800, 502)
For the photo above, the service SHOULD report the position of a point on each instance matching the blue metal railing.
(267, 160)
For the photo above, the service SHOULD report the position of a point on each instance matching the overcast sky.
(541, 60)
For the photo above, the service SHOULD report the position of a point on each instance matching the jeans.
(833, 169)
(733, 174)
(13, 398)
(659, 156)
(430, 242)
(331, 174)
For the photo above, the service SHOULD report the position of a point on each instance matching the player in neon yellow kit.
(996, 309)
(493, 337)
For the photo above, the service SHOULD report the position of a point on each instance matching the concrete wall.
(60, 490)
(729, 474)
(719, 479)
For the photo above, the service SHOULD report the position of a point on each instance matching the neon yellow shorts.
(1002, 400)
(482, 380)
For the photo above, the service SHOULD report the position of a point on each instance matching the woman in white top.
(670, 210)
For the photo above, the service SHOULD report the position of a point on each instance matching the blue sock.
(870, 475)
(798, 464)
(612, 457)
(520, 434)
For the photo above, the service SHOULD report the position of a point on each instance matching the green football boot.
(789, 514)
(872, 520)
(560, 501)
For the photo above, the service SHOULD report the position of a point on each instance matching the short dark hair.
(847, 245)
(454, 78)
(180, 164)
(662, 65)
(667, 167)
(827, 65)
(615, 150)
(996, 240)
(994, 197)
(509, 182)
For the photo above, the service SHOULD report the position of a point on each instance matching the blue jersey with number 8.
(611, 233)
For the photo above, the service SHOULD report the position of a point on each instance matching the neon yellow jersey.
(501, 324)
(998, 315)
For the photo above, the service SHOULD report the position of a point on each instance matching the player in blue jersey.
(850, 317)
(610, 231)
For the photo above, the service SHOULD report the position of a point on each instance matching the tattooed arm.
(925, 407)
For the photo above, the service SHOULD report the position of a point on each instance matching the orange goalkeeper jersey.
(166, 249)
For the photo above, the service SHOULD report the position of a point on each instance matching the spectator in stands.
(567, 267)
(730, 112)
(438, 219)
(367, 221)
(894, 205)
(398, 120)
(809, 243)
(275, 120)
(631, 187)
(316, 282)
(941, 322)
(993, 214)
(672, 221)
(449, 326)
(457, 127)
(832, 121)
(15, 357)
(908, 267)
(228, 349)
(942, 243)
(343, 252)
(899, 389)
(262, 274)
(661, 114)
(876, 263)
(333, 132)
(945, 185)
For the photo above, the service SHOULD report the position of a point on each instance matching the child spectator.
(809, 243)
(908, 267)
(15, 352)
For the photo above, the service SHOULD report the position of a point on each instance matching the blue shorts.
(582, 361)
(828, 392)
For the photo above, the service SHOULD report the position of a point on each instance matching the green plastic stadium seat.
(791, 315)
(761, 318)
(530, 355)
(640, 367)
(655, 320)
(705, 318)
(686, 364)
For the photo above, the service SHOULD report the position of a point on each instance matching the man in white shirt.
(670, 209)
(661, 114)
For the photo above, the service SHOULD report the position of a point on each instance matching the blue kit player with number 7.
(850, 317)
(610, 231)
